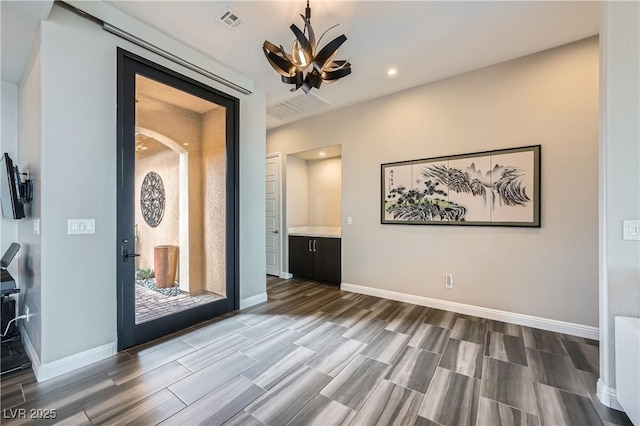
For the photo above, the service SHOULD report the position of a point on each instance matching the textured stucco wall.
(181, 126)
(167, 164)
(213, 199)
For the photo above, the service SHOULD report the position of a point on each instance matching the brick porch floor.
(151, 304)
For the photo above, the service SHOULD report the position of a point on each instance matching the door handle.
(275, 231)
(125, 253)
(315, 245)
(128, 255)
(310, 241)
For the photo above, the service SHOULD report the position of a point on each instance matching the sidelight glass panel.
(180, 200)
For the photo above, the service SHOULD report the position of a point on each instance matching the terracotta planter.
(165, 262)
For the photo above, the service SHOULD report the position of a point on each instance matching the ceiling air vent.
(230, 18)
(297, 105)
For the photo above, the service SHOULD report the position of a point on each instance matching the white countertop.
(316, 231)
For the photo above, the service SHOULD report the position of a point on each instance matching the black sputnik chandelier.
(324, 68)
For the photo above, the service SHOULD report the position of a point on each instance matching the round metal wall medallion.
(152, 199)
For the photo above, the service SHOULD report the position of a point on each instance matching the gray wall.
(253, 268)
(78, 162)
(29, 157)
(619, 176)
(550, 98)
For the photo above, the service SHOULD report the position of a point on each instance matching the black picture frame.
(489, 188)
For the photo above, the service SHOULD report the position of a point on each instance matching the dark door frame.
(129, 333)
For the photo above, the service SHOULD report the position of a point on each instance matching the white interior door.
(273, 215)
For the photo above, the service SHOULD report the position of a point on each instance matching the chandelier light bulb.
(303, 60)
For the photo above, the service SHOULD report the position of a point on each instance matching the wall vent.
(230, 18)
(297, 105)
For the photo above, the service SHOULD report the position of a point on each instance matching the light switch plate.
(349, 220)
(81, 226)
(36, 226)
(631, 230)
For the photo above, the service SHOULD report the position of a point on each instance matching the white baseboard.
(31, 351)
(253, 300)
(62, 366)
(608, 396)
(286, 275)
(478, 311)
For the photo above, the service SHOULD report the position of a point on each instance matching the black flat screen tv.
(11, 200)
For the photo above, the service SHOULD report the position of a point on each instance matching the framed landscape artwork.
(494, 188)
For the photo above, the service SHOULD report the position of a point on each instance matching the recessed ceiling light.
(392, 71)
(186, 144)
(322, 154)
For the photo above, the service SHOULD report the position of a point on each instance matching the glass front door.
(177, 201)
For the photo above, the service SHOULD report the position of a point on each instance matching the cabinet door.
(300, 258)
(327, 260)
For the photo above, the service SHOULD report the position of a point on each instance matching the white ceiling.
(424, 40)
(19, 23)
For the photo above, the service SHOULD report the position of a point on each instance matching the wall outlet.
(26, 312)
(448, 281)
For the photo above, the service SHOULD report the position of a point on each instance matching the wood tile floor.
(315, 355)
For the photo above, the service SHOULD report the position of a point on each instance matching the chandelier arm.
(332, 76)
(312, 35)
(280, 64)
(304, 43)
(326, 66)
(282, 71)
(330, 49)
(277, 50)
(328, 29)
(272, 47)
(337, 65)
(296, 80)
(283, 54)
(312, 80)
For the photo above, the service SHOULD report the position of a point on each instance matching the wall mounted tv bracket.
(26, 187)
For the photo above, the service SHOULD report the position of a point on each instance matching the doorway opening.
(157, 294)
(314, 214)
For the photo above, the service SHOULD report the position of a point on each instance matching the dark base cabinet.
(301, 257)
(315, 258)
